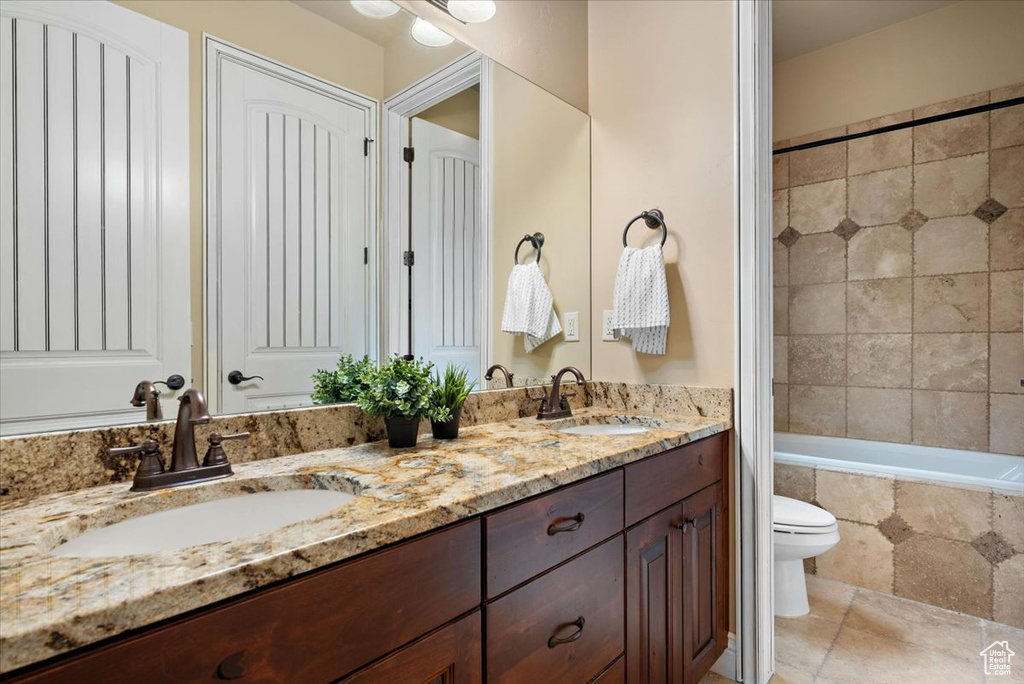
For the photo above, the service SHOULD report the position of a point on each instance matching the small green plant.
(450, 393)
(345, 384)
(401, 387)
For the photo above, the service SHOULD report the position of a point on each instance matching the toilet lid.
(793, 513)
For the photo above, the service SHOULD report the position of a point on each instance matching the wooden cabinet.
(451, 655)
(566, 626)
(622, 577)
(677, 592)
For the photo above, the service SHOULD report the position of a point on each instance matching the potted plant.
(345, 384)
(399, 392)
(446, 400)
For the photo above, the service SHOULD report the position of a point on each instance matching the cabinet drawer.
(616, 674)
(527, 539)
(451, 655)
(522, 624)
(316, 628)
(660, 481)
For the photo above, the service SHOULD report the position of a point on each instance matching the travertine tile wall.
(952, 547)
(899, 271)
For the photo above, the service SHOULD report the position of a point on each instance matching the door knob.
(174, 382)
(235, 377)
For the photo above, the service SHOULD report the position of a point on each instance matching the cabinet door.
(705, 597)
(654, 589)
(451, 655)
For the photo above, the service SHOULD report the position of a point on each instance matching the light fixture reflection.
(425, 33)
(472, 11)
(376, 9)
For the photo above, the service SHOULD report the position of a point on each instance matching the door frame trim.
(215, 49)
(755, 637)
(398, 109)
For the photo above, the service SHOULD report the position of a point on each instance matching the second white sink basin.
(605, 429)
(204, 523)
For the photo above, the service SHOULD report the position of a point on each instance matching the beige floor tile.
(803, 642)
(992, 632)
(918, 624)
(859, 657)
(715, 678)
(788, 674)
(829, 599)
(1008, 594)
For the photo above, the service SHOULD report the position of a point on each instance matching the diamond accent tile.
(989, 211)
(895, 529)
(913, 220)
(789, 236)
(993, 547)
(846, 229)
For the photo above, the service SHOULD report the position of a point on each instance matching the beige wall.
(278, 30)
(406, 61)
(952, 52)
(541, 183)
(661, 98)
(459, 113)
(543, 40)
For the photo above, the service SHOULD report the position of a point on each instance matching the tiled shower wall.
(899, 268)
(953, 547)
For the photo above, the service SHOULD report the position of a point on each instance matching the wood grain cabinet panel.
(705, 602)
(451, 655)
(528, 538)
(578, 604)
(312, 629)
(660, 481)
(616, 674)
(654, 589)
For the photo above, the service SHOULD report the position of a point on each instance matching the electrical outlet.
(607, 333)
(572, 326)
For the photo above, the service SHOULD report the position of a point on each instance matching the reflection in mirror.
(275, 262)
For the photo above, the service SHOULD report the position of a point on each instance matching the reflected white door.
(447, 292)
(94, 234)
(288, 206)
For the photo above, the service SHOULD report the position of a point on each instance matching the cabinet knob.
(232, 667)
(682, 525)
(570, 524)
(558, 641)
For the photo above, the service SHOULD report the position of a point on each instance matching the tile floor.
(857, 636)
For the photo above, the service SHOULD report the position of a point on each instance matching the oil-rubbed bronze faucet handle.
(215, 454)
(151, 463)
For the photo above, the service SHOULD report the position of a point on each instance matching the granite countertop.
(51, 605)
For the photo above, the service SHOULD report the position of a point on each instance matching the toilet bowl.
(800, 530)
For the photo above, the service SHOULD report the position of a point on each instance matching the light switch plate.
(572, 326)
(607, 333)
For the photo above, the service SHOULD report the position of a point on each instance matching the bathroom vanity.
(618, 576)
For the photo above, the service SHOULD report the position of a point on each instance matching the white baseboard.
(726, 665)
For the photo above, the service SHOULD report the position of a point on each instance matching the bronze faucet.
(557, 406)
(184, 467)
(146, 394)
(504, 371)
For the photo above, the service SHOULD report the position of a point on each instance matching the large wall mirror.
(356, 185)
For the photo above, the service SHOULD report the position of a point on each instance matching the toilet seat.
(797, 517)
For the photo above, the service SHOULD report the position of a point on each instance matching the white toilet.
(801, 530)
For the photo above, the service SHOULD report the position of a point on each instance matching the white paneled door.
(448, 291)
(94, 238)
(289, 191)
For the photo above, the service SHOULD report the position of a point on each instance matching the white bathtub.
(930, 464)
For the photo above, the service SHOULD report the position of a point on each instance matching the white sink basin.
(204, 523)
(605, 429)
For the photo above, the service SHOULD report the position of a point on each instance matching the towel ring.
(537, 240)
(654, 219)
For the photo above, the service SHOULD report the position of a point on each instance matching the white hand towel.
(641, 299)
(528, 307)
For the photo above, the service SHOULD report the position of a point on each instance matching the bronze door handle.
(235, 377)
(560, 526)
(682, 525)
(558, 641)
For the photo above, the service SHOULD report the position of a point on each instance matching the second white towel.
(529, 307)
(641, 299)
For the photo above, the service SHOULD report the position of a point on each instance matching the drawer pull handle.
(556, 641)
(682, 525)
(232, 667)
(700, 458)
(560, 526)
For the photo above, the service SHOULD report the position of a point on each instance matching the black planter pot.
(448, 429)
(402, 431)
